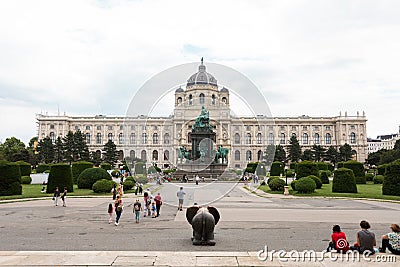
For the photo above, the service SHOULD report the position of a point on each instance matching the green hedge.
(369, 177)
(251, 167)
(277, 185)
(322, 166)
(272, 178)
(306, 168)
(106, 166)
(103, 186)
(378, 179)
(324, 176)
(115, 173)
(305, 185)
(391, 182)
(142, 179)
(293, 166)
(293, 184)
(78, 167)
(357, 168)
(140, 168)
(277, 168)
(128, 184)
(344, 181)
(61, 176)
(89, 176)
(24, 167)
(331, 167)
(26, 179)
(41, 168)
(317, 180)
(10, 179)
(382, 169)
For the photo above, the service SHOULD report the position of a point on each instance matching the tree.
(389, 156)
(269, 154)
(69, 147)
(307, 155)
(345, 152)
(332, 155)
(375, 157)
(12, 148)
(95, 157)
(80, 149)
(280, 154)
(46, 150)
(294, 149)
(59, 150)
(318, 152)
(110, 154)
(397, 145)
(33, 154)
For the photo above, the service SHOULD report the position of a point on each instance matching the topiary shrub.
(322, 166)
(317, 180)
(251, 167)
(277, 185)
(324, 177)
(293, 184)
(26, 179)
(277, 168)
(24, 167)
(10, 179)
(290, 173)
(103, 186)
(306, 168)
(357, 168)
(128, 184)
(293, 166)
(78, 167)
(344, 181)
(115, 174)
(89, 176)
(331, 167)
(130, 178)
(41, 168)
(140, 168)
(305, 185)
(60, 175)
(391, 182)
(106, 166)
(381, 169)
(272, 178)
(142, 179)
(378, 179)
(369, 177)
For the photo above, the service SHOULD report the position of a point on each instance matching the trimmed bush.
(272, 178)
(106, 166)
(10, 179)
(151, 170)
(306, 168)
(391, 182)
(378, 179)
(142, 179)
(128, 184)
(331, 167)
(369, 177)
(293, 184)
(305, 185)
(322, 166)
(277, 168)
(41, 168)
(130, 178)
(251, 167)
(140, 168)
(61, 176)
(103, 186)
(293, 166)
(357, 168)
(382, 169)
(89, 176)
(277, 185)
(26, 179)
(25, 168)
(318, 182)
(324, 177)
(78, 167)
(290, 173)
(344, 181)
(115, 174)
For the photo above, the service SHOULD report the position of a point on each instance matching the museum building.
(158, 139)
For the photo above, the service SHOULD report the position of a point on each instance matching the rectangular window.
(316, 128)
(87, 127)
(304, 128)
(294, 128)
(109, 127)
(98, 127)
(51, 126)
(132, 127)
(76, 127)
(121, 127)
(327, 128)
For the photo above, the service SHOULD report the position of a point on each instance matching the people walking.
(64, 197)
(197, 179)
(114, 191)
(181, 196)
(137, 208)
(391, 240)
(147, 202)
(56, 196)
(118, 209)
(158, 201)
(110, 212)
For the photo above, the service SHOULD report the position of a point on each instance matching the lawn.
(368, 190)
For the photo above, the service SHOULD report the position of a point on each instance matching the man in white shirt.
(181, 196)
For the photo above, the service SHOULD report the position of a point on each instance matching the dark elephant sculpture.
(203, 221)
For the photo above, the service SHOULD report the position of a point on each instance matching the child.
(137, 207)
(110, 212)
(339, 241)
(153, 210)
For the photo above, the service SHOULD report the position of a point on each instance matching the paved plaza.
(33, 231)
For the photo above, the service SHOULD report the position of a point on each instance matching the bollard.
(286, 192)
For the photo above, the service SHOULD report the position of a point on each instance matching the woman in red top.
(339, 240)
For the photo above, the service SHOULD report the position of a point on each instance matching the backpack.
(119, 208)
(148, 201)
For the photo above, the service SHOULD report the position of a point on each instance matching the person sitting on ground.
(365, 239)
(339, 240)
(391, 240)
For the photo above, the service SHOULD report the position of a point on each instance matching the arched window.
(121, 138)
(144, 138)
(271, 139)
(305, 139)
(166, 155)
(179, 100)
(143, 155)
(224, 101)
(352, 138)
(237, 155)
(98, 138)
(155, 138)
(259, 139)
(155, 155)
(87, 137)
(98, 154)
(248, 138)
(259, 155)
(121, 155)
(52, 137)
(328, 139)
(283, 139)
(190, 99)
(166, 138)
(132, 139)
(213, 100)
(248, 155)
(316, 138)
(237, 138)
(110, 136)
(201, 96)
(132, 154)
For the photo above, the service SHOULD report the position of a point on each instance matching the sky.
(315, 58)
